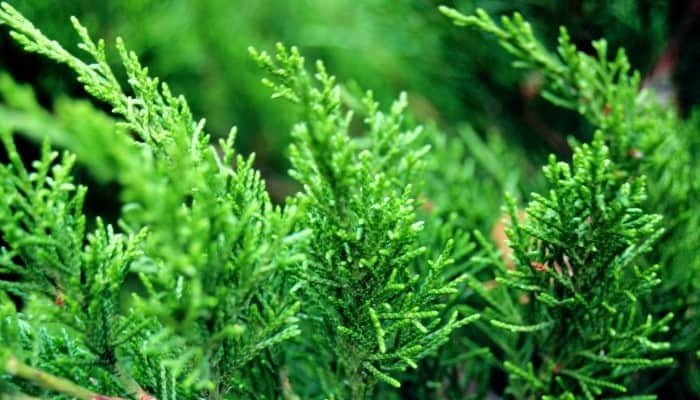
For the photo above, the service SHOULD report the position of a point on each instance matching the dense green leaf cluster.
(373, 310)
(385, 276)
(212, 300)
(647, 142)
(575, 258)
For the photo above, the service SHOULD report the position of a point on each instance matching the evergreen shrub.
(392, 272)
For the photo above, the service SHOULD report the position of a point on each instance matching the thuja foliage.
(208, 247)
(218, 264)
(646, 142)
(379, 278)
(375, 302)
(576, 260)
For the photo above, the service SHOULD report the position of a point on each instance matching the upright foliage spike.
(576, 258)
(375, 314)
(70, 278)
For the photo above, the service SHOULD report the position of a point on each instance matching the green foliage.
(386, 46)
(374, 313)
(181, 40)
(644, 138)
(214, 242)
(74, 125)
(575, 258)
(72, 279)
(378, 278)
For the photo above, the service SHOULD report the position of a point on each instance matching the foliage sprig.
(375, 311)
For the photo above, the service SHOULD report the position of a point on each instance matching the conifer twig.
(18, 396)
(15, 367)
(131, 385)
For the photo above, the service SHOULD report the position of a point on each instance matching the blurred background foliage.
(452, 76)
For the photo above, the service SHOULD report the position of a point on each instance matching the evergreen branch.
(521, 328)
(637, 362)
(17, 396)
(220, 272)
(645, 137)
(17, 368)
(360, 204)
(592, 381)
(366, 272)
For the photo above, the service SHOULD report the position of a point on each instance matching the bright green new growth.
(215, 302)
(218, 260)
(376, 308)
(73, 277)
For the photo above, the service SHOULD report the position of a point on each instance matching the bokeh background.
(452, 76)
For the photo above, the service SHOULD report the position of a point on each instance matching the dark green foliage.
(370, 308)
(576, 260)
(644, 138)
